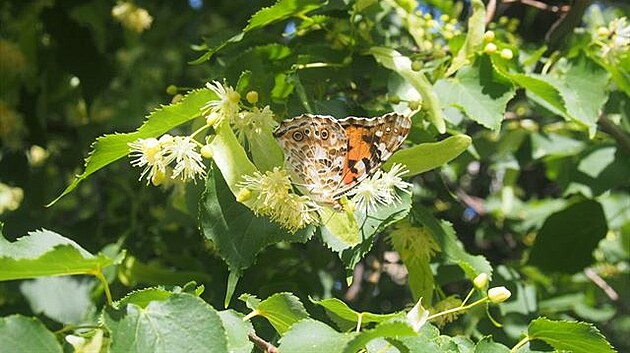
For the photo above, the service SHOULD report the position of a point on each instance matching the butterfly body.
(328, 157)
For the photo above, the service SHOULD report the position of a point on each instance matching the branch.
(262, 344)
(601, 283)
(622, 138)
(566, 23)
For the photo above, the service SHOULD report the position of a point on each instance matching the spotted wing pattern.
(329, 157)
(315, 148)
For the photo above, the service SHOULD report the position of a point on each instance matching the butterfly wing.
(371, 141)
(315, 148)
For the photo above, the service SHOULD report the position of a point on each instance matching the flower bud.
(490, 48)
(481, 281)
(394, 99)
(252, 97)
(244, 195)
(172, 90)
(176, 98)
(414, 105)
(206, 152)
(158, 178)
(603, 31)
(416, 65)
(507, 54)
(488, 36)
(498, 294)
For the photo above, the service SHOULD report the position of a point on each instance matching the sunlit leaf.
(346, 318)
(46, 253)
(166, 326)
(576, 337)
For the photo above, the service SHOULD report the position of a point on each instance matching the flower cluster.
(132, 17)
(380, 189)
(430, 34)
(273, 197)
(249, 122)
(157, 157)
(613, 39)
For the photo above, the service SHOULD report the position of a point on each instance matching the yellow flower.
(273, 197)
(227, 103)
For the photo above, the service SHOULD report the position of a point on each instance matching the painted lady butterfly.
(329, 157)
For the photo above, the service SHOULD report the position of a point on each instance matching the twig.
(262, 344)
(357, 279)
(491, 8)
(601, 283)
(616, 132)
(541, 5)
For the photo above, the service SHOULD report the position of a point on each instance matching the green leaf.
(143, 297)
(180, 323)
(554, 145)
(64, 299)
(24, 334)
(583, 88)
(237, 330)
(46, 253)
(236, 232)
(345, 318)
(579, 227)
(110, 148)
(576, 337)
(282, 310)
(474, 37)
(538, 89)
(401, 64)
(487, 345)
(393, 329)
(281, 10)
(310, 336)
(426, 156)
(339, 230)
(451, 247)
(372, 224)
(478, 91)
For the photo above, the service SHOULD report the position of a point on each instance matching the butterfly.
(329, 157)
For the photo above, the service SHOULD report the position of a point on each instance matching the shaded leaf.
(24, 334)
(487, 345)
(64, 299)
(579, 227)
(236, 232)
(373, 224)
(451, 247)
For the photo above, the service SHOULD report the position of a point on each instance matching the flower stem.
(103, 280)
(359, 320)
(520, 344)
(459, 308)
(472, 290)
